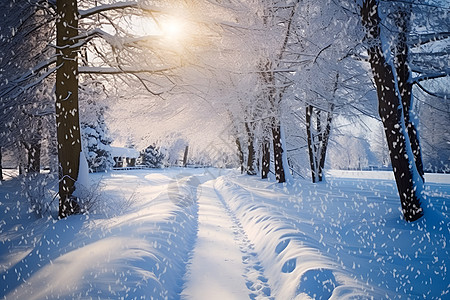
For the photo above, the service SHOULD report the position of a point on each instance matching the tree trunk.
(33, 157)
(22, 157)
(317, 141)
(265, 164)
(325, 136)
(310, 139)
(402, 18)
(269, 79)
(409, 183)
(240, 154)
(1, 167)
(251, 162)
(185, 156)
(67, 112)
(278, 153)
(251, 159)
(324, 143)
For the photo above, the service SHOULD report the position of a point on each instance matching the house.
(124, 157)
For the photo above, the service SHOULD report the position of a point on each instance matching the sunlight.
(173, 28)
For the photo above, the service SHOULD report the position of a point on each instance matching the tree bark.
(278, 153)
(185, 156)
(265, 164)
(67, 112)
(402, 18)
(251, 159)
(33, 157)
(317, 141)
(310, 140)
(324, 143)
(251, 162)
(269, 79)
(240, 154)
(1, 167)
(407, 178)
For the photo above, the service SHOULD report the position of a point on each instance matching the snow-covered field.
(215, 234)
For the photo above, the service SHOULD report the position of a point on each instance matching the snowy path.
(222, 266)
(214, 234)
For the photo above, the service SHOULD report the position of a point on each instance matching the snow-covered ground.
(215, 234)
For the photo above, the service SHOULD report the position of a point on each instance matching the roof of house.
(124, 152)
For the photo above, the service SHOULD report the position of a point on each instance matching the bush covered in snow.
(152, 157)
(96, 140)
(96, 144)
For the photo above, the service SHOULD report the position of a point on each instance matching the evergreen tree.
(152, 157)
(96, 140)
(96, 144)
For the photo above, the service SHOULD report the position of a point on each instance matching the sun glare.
(172, 28)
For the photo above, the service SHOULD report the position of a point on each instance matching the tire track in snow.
(254, 276)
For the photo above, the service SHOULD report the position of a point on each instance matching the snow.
(124, 152)
(83, 172)
(216, 266)
(215, 234)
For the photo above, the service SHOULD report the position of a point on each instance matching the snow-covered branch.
(28, 75)
(422, 39)
(119, 5)
(288, 31)
(437, 95)
(121, 70)
(430, 76)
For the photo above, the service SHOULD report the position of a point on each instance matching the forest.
(294, 103)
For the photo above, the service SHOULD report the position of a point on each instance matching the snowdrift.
(343, 239)
(139, 252)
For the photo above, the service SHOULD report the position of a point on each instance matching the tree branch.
(320, 52)
(430, 76)
(437, 95)
(115, 71)
(423, 39)
(28, 75)
(119, 5)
